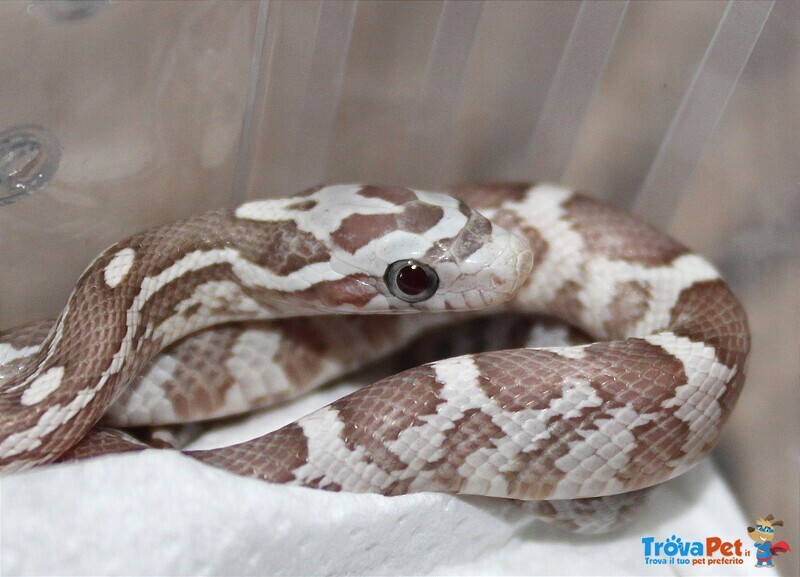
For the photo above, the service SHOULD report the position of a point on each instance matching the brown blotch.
(340, 337)
(634, 372)
(464, 209)
(630, 373)
(627, 308)
(393, 194)
(91, 335)
(279, 246)
(311, 190)
(300, 352)
(491, 195)
(273, 457)
(98, 319)
(286, 249)
(101, 441)
(469, 239)
(473, 431)
(353, 290)
(645, 376)
(161, 306)
(302, 206)
(541, 508)
(201, 381)
(518, 378)
(377, 414)
(419, 217)
(359, 230)
(709, 312)
(620, 236)
(317, 483)
(473, 237)
(538, 244)
(565, 304)
(533, 474)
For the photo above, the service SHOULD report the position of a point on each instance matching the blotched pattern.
(554, 423)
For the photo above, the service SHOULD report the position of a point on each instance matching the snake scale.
(640, 405)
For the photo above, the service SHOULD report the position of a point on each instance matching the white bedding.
(161, 513)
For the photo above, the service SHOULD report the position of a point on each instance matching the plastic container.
(684, 112)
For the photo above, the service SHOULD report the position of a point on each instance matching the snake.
(322, 282)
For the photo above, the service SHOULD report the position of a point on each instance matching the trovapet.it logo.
(676, 551)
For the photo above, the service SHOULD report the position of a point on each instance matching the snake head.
(394, 250)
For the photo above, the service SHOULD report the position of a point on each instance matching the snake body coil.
(641, 405)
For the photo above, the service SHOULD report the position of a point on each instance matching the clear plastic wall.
(117, 116)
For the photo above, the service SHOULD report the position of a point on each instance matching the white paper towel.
(161, 513)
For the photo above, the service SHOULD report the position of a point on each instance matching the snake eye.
(411, 281)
